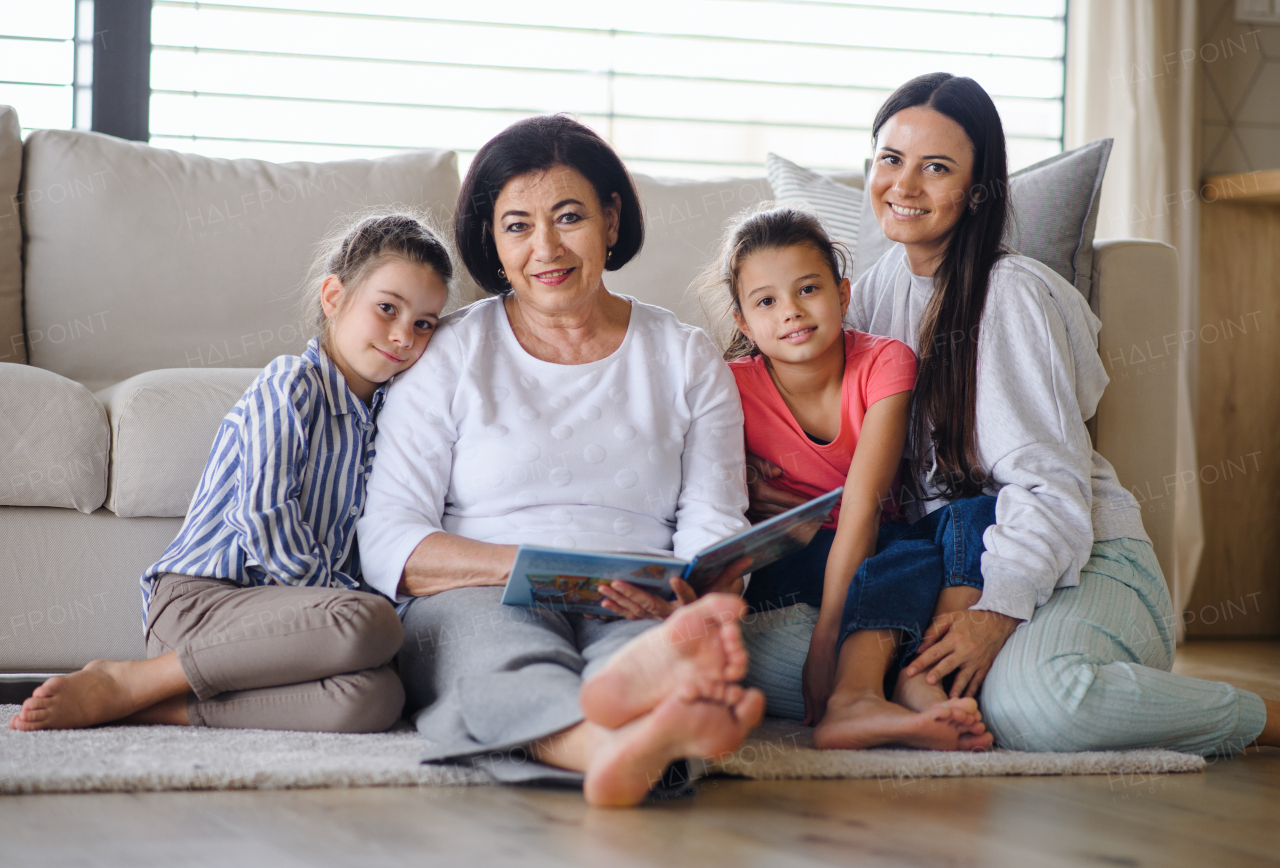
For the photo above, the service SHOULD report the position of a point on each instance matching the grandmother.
(558, 413)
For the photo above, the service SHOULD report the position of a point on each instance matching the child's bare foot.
(96, 694)
(917, 694)
(625, 767)
(854, 723)
(697, 653)
(103, 691)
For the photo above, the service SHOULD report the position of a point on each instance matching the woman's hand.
(631, 602)
(965, 643)
(818, 678)
(766, 501)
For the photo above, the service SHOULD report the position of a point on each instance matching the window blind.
(46, 62)
(687, 87)
(681, 87)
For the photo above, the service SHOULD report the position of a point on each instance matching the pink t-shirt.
(874, 368)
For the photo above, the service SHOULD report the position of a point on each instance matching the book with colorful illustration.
(569, 581)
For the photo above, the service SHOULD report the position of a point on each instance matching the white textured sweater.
(638, 451)
(1039, 379)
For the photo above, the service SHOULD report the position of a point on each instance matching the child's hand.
(818, 678)
(766, 501)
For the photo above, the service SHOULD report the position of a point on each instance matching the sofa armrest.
(54, 441)
(1135, 293)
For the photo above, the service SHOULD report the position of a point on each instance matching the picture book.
(569, 581)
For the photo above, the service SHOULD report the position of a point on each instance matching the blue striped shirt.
(285, 482)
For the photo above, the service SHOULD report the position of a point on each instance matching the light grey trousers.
(484, 680)
(1089, 671)
(308, 659)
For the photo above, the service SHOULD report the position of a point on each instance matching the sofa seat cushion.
(157, 259)
(54, 441)
(162, 426)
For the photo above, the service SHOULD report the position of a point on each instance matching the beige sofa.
(142, 289)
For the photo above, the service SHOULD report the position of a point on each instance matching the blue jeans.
(897, 588)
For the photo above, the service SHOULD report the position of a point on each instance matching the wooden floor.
(1230, 815)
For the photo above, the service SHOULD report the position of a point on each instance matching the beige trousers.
(309, 659)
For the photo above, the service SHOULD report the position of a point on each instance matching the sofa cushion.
(12, 346)
(1055, 214)
(157, 259)
(684, 223)
(162, 426)
(54, 441)
(839, 204)
(69, 586)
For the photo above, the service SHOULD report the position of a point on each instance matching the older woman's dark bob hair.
(535, 145)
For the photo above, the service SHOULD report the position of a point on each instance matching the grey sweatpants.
(484, 680)
(308, 659)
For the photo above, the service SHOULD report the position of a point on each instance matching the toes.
(50, 687)
(976, 742)
(31, 707)
(941, 712)
(750, 708)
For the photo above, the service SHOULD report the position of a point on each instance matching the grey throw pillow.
(1055, 214)
(838, 204)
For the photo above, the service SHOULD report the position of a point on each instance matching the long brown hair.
(944, 403)
(769, 227)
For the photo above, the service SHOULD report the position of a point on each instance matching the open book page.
(569, 581)
(765, 542)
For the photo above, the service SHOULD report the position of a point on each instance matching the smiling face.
(385, 325)
(920, 183)
(791, 304)
(553, 237)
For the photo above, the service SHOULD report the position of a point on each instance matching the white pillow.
(838, 205)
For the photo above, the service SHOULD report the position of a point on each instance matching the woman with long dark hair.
(1071, 637)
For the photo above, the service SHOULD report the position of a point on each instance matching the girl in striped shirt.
(254, 615)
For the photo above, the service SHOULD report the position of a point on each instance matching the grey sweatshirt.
(1039, 379)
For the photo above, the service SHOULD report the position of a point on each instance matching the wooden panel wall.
(1237, 592)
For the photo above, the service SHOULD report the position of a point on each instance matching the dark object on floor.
(14, 692)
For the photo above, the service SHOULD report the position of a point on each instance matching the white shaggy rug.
(132, 758)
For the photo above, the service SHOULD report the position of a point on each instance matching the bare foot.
(697, 653)
(628, 765)
(103, 691)
(917, 694)
(868, 721)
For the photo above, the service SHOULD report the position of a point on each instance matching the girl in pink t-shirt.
(830, 406)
